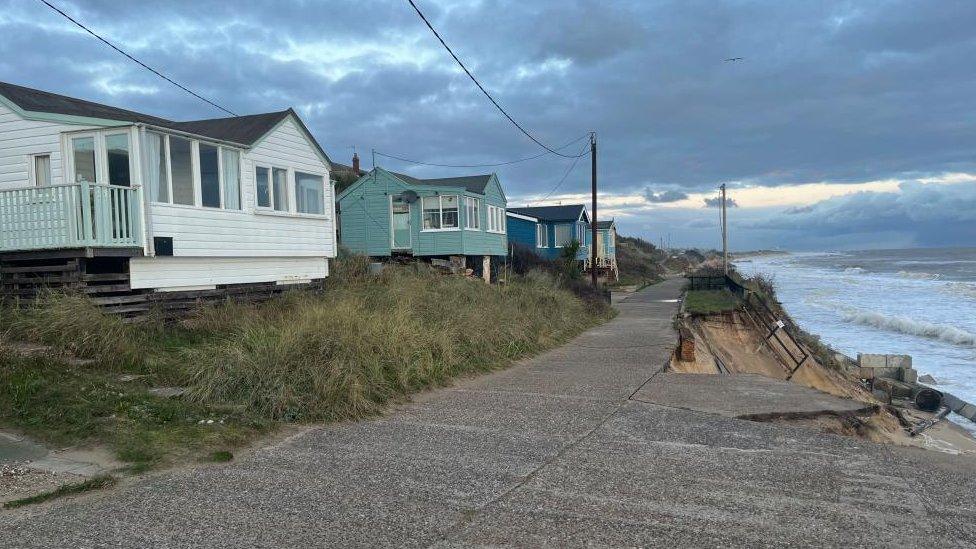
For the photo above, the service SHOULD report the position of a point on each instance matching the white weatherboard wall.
(214, 246)
(20, 138)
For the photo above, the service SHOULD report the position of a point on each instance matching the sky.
(846, 125)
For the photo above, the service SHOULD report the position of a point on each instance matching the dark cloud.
(716, 202)
(829, 91)
(661, 197)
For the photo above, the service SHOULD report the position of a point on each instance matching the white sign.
(779, 324)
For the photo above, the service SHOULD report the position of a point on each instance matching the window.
(157, 169)
(440, 212)
(41, 164)
(280, 189)
(83, 158)
(308, 193)
(496, 219)
(263, 184)
(181, 169)
(209, 176)
(472, 213)
(231, 171)
(564, 235)
(580, 233)
(117, 154)
(541, 236)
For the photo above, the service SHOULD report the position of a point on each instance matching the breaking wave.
(919, 276)
(905, 325)
(961, 288)
(853, 270)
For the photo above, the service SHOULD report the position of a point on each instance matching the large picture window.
(541, 236)
(440, 212)
(309, 193)
(279, 188)
(564, 235)
(472, 213)
(209, 176)
(496, 219)
(181, 168)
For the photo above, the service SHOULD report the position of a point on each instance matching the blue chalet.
(549, 229)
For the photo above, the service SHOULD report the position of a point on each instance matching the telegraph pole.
(725, 235)
(593, 219)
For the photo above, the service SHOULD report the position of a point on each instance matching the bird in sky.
(734, 59)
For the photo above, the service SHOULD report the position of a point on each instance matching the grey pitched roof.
(604, 224)
(473, 183)
(245, 130)
(347, 168)
(570, 212)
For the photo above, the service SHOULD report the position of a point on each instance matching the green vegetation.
(710, 301)
(221, 456)
(94, 483)
(639, 261)
(341, 353)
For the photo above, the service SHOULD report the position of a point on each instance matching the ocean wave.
(905, 325)
(961, 288)
(919, 275)
(854, 270)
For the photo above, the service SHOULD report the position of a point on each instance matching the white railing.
(70, 216)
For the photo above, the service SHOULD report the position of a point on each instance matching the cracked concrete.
(550, 452)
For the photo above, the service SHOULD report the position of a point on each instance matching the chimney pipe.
(355, 163)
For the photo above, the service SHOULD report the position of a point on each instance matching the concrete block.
(909, 375)
(893, 387)
(899, 361)
(879, 372)
(968, 411)
(867, 360)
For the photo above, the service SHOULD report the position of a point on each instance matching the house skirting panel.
(176, 273)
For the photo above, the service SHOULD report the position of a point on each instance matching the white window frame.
(294, 192)
(195, 176)
(472, 203)
(496, 220)
(32, 168)
(440, 206)
(541, 229)
(555, 239)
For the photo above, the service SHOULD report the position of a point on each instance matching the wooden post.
(486, 268)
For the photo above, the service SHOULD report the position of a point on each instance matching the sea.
(919, 302)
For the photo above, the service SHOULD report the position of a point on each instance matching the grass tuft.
(94, 483)
(220, 456)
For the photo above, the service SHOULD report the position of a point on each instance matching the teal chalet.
(386, 214)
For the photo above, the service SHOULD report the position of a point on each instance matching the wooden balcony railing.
(70, 216)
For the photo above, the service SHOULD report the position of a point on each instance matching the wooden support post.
(486, 268)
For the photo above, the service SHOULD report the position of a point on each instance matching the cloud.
(661, 197)
(716, 202)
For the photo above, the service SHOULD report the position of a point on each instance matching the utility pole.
(725, 235)
(593, 219)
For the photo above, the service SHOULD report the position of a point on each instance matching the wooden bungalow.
(386, 214)
(549, 229)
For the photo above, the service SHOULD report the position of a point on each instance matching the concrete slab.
(746, 396)
(15, 448)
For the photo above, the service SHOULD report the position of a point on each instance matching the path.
(551, 452)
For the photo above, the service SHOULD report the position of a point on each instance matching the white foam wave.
(905, 325)
(961, 288)
(853, 270)
(919, 275)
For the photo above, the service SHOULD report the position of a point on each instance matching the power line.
(480, 87)
(569, 171)
(510, 162)
(143, 65)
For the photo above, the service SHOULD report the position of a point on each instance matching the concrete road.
(550, 452)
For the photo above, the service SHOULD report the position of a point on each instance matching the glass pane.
(564, 235)
(449, 212)
(432, 212)
(280, 189)
(117, 150)
(42, 170)
(308, 193)
(232, 179)
(263, 186)
(209, 176)
(401, 223)
(157, 171)
(83, 154)
(181, 168)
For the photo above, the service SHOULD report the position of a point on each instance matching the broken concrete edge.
(869, 409)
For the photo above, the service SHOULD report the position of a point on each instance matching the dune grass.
(341, 353)
(710, 301)
(94, 483)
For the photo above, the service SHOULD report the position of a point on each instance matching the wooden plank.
(64, 267)
(102, 277)
(106, 288)
(119, 299)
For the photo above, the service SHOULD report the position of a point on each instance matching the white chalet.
(104, 196)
